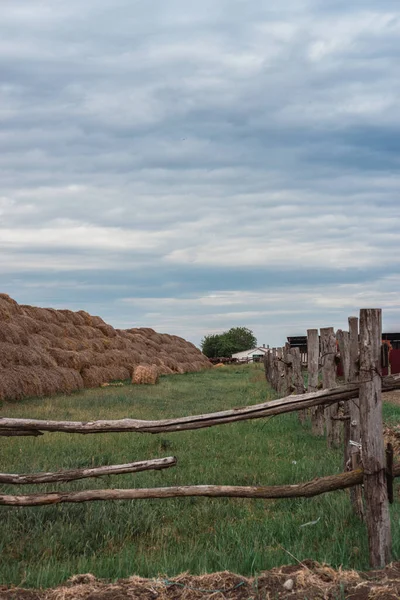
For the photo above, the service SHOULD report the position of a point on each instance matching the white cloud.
(160, 143)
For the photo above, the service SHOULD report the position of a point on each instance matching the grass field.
(43, 546)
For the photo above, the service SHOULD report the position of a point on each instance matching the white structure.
(253, 355)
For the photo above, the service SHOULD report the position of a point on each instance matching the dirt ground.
(393, 397)
(309, 580)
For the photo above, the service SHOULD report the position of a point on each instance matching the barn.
(252, 355)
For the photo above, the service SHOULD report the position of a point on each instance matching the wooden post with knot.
(317, 413)
(328, 361)
(372, 442)
(344, 349)
(356, 493)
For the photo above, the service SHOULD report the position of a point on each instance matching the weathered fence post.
(288, 370)
(344, 349)
(328, 360)
(267, 366)
(273, 369)
(356, 493)
(317, 413)
(298, 382)
(280, 371)
(373, 450)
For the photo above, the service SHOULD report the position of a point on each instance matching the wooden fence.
(356, 423)
(283, 369)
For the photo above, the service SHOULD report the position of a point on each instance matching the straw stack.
(145, 374)
(45, 351)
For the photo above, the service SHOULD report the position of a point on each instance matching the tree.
(227, 343)
(210, 345)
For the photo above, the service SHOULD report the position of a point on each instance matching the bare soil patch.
(310, 581)
(392, 397)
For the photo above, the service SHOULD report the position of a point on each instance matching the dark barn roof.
(300, 341)
(297, 341)
(391, 337)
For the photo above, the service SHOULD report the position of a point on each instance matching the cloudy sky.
(193, 166)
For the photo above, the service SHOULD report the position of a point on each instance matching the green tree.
(210, 346)
(227, 343)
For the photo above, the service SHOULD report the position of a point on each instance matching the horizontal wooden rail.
(73, 474)
(255, 411)
(315, 487)
(14, 433)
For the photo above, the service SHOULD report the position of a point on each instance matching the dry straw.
(145, 374)
(45, 351)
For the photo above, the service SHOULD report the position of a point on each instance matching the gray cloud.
(158, 160)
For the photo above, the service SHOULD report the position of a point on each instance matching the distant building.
(252, 355)
(393, 338)
(298, 341)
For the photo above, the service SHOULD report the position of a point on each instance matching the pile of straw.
(45, 351)
(145, 374)
(308, 580)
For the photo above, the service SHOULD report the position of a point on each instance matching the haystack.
(44, 351)
(145, 374)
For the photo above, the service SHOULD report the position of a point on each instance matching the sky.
(197, 166)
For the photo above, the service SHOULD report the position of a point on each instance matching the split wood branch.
(73, 474)
(301, 490)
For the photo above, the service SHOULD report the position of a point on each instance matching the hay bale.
(93, 376)
(107, 330)
(117, 373)
(13, 334)
(21, 355)
(46, 351)
(21, 382)
(96, 376)
(145, 374)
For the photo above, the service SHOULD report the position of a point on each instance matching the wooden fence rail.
(9, 426)
(308, 489)
(74, 474)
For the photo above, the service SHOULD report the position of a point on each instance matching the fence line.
(360, 422)
(283, 370)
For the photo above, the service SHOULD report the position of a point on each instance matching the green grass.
(42, 546)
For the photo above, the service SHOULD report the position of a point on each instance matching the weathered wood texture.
(281, 372)
(373, 449)
(274, 369)
(74, 474)
(256, 411)
(343, 340)
(267, 367)
(298, 382)
(300, 490)
(354, 349)
(288, 371)
(356, 493)
(328, 361)
(344, 350)
(297, 379)
(317, 413)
